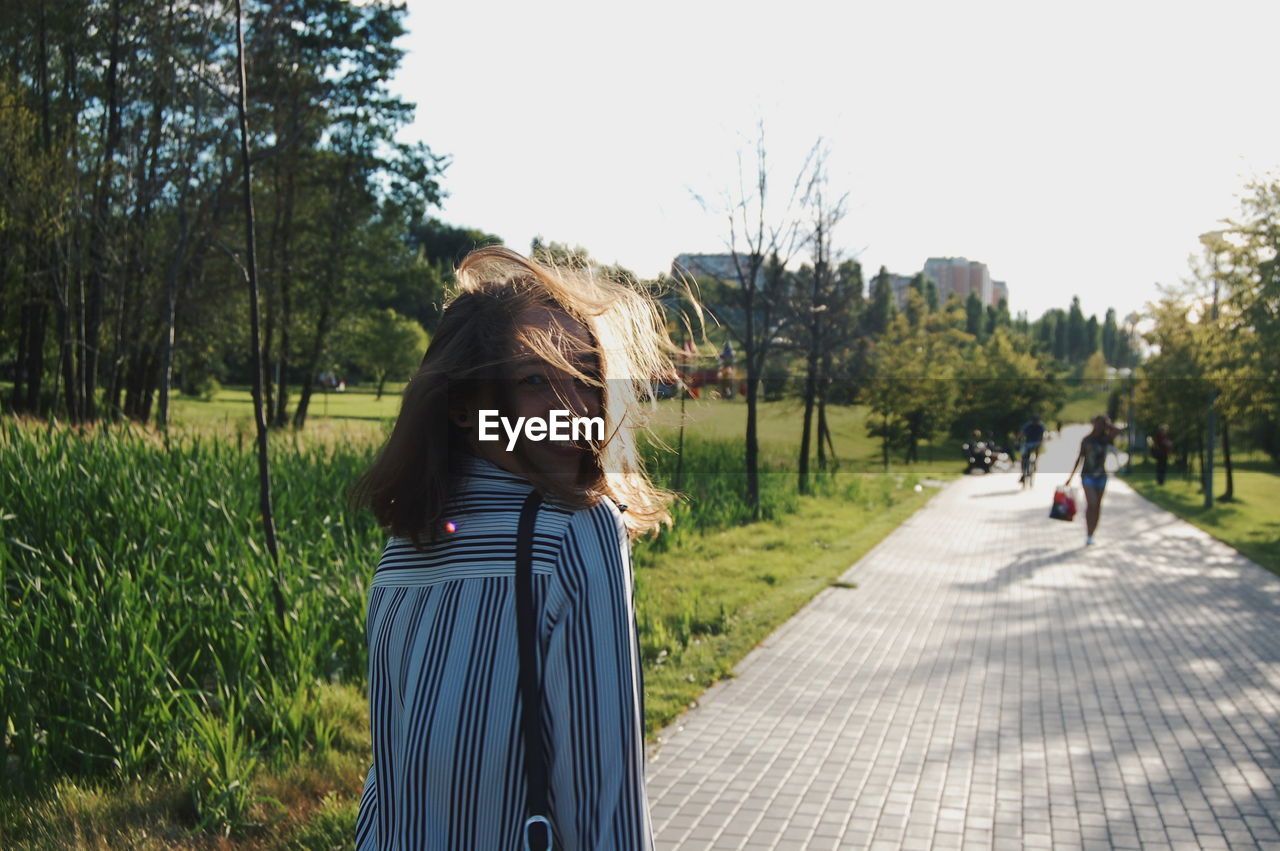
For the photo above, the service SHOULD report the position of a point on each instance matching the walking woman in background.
(520, 339)
(1093, 471)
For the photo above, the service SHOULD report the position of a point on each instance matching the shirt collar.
(474, 471)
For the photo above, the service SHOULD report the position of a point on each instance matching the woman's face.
(534, 388)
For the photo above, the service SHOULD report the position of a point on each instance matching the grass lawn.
(1249, 522)
(1081, 406)
(704, 600)
(358, 413)
(309, 804)
(705, 603)
(233, 406)
(780, 424)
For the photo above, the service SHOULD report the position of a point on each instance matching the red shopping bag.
(1064, 507)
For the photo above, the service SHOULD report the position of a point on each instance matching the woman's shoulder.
(596, 531)
(605, 510)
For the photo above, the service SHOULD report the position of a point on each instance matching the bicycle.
(1030, 457)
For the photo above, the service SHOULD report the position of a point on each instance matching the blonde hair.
(410, 481)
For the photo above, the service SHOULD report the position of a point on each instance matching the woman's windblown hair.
(476, 340)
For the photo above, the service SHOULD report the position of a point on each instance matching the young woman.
(1093, 472)
(518, 343)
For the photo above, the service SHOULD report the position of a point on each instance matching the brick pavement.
(992, 683)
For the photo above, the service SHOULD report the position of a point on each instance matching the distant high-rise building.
(900, 284)
(960, 276)
(720, 266)
(956, 276)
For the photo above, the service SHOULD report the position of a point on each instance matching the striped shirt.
(448, 755)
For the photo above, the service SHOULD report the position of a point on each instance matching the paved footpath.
(992, 682)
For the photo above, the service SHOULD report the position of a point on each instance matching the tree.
(883, 305)
(818, 304)
(911, 390)
(845, 358)
(1092, 336)
(126, 276)
(843, 352)
(918, 307)
(1173, 383)
(251, 279)
(1003, 319)
(760, 246)
(1001, 384)
(1253, 302)
(1076, 341)
(387, 345)
(1095, 370)
(1109, 334)
(974, 316)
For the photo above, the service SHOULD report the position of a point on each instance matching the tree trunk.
(251, 274)
(102, 211)
(1230, 493)
(21, 367)
(134, 380)
(171, 315)
(150, 378)
(753, 446)
(805, 431)
(312, 365)
(269, 375)
(35, 322)
(824, 430)
(811, 373)
(1204, 480)
(753, 442)
(67, 362)
(131, 341)
(177, 260)
(35, 355)
(280, 417)
(884, 444)
(824, 434)
(679, 478)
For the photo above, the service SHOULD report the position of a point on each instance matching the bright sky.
(1075, 148)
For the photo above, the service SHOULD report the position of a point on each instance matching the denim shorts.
(1095, 482)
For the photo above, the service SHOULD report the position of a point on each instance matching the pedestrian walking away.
(482, 739)
(1091, 462)
(1161, 451)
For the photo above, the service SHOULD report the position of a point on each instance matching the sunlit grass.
(1082, 405)
(1250, 522)
(780, 422)
(202, 711)
(231, 408)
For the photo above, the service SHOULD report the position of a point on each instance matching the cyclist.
(1030, 436)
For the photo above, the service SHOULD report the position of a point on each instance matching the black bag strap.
(537, 825)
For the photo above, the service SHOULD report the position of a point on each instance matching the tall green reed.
(136, 599)
(137, 632)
